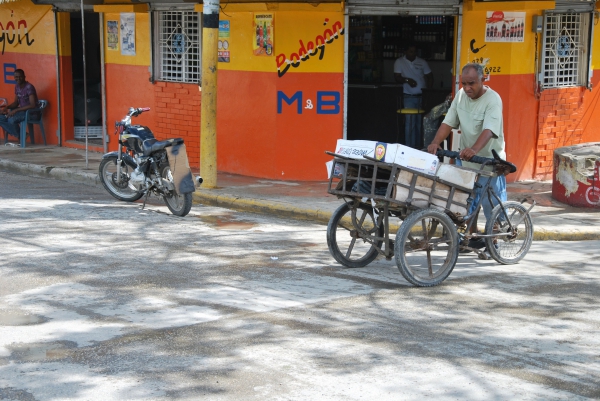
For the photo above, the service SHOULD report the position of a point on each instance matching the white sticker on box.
(355, 149)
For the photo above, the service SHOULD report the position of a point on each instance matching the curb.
(58, 173)
(320, 216)
(261, 206)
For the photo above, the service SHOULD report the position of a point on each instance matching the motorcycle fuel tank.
(135, 136)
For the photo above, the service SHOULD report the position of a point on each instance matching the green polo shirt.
(475, 116)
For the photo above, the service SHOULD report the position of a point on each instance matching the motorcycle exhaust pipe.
(199, 181)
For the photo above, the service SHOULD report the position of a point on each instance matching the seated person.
(25, 98)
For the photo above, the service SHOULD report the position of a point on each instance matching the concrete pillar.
(208, 111)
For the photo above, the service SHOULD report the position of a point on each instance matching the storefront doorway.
(93, 76)
(377, 36)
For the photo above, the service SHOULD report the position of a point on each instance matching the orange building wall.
(256, 140)
(302, 139)
(40, 71)
(511, 74)
(567, 116)
(128, 80)
(535, 123)
(257, 137)
(128, 86)
(177, 115)
(34, 53)
(252, 137)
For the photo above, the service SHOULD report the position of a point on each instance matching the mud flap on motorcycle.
(180, 168)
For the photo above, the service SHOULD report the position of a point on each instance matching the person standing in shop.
(415, 74)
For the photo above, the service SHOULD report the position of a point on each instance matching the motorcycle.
(143, 166)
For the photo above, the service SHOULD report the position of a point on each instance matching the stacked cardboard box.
(389, 153)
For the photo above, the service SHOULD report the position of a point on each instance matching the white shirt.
(416, 69)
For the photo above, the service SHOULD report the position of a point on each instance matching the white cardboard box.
(422, 162)
(461, 176)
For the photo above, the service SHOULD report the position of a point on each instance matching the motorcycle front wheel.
(179, 205)
(120, 189)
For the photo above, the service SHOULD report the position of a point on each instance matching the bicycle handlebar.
(479, 159)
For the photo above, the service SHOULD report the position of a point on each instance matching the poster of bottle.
(505, 27)
(127, 34)
(262, 44)
(223, 44)
(112, 35)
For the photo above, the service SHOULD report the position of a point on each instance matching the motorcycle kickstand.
(145, 199)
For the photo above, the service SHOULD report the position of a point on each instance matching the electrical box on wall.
(538, 23)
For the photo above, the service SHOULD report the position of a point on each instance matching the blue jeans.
(499, 186)
(11, 124)
(412, 123)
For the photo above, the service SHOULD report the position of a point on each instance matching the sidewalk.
(299, 200)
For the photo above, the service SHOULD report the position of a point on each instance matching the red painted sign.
(10, 34)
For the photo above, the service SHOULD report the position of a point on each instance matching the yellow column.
(208, 111)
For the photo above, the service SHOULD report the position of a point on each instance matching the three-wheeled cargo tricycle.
(433, 214)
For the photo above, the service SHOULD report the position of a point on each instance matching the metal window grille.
(565, 57)
(179, 55)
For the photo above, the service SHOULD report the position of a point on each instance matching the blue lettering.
(9, 73)
(331, 106)
(281, 97)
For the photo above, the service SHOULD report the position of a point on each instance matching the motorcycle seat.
(151, 146)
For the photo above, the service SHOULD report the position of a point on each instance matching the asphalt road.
(102, 300)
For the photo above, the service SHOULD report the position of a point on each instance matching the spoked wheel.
(120, 189)
(510, 248)
(426, 247)
(351, 235)
(179, 205)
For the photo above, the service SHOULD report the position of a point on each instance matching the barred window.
(566, 50)
(178, 57)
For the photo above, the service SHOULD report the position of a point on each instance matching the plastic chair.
(31, 120)
(28, 123)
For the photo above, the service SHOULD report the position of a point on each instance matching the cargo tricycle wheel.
(509, 249)
(351, 235)
(426, 247)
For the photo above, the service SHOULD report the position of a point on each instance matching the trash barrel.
(576, 177)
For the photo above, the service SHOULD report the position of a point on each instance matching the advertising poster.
(223, 44)
(505, 27)
(112, 33)
(262, 44)
(127, 34)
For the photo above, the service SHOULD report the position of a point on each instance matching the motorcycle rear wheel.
(179, 205)
(123, 190)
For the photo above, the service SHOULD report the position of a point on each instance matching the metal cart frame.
(370, 189)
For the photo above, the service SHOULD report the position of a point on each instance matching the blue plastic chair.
(28, 123)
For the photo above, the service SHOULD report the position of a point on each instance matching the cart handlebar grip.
(481, 160)
(455, 155)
